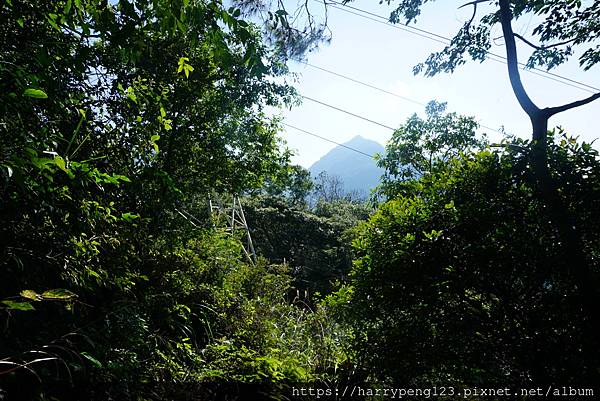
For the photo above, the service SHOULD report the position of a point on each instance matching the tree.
(421, 146)
(293, 185)
(114, 116)
(314, 242)
(449, 288)
(563, 27)
(328, 188)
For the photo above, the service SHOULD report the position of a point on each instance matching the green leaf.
(93, 360)
(121, 177)
(67, 8)
(129, 216)
(35, 93)
(58, 294)
(24, 306)
(184, 66)
(60, 163)
(30, 294)
(187, 69)
(94, 274)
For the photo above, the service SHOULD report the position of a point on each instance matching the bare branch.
(550, 111)
(473, 3)
(512, 60)
(467, 25)
(473, 16)
(511, 146)
(543, 47)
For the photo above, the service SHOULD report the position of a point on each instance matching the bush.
(463, 277)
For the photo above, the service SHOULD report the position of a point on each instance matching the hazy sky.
(384, 56)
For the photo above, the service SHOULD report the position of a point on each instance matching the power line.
(375, 88)
(329, 140)
(445, 40)
(492, 56)
(348, 112)
(362, 83)
(368, 119)
(400, 26)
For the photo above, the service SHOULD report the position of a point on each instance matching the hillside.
(356, 171)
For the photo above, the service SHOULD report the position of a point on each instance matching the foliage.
(314, 242)
(563, 28)
(291, 29)
(116, 118)
(423, 146)
(293, 186)
(461, 279)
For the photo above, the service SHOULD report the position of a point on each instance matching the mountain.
(356, 171)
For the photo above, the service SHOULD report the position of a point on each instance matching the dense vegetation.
(120, 120)
(461, 279)
(115, 118)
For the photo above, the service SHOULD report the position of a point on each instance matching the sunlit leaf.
(58, 294)
(60, 163)
(93, 360)
(35, 93)
(30, 294)
(23, 306)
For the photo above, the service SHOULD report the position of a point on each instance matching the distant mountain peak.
(356, 171)
(357, 138)
(361, 139)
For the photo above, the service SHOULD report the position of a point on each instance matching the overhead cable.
(349, 113)
(375, 88)
(445, 40)
(329, 140)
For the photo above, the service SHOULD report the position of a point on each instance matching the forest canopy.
(122, 125)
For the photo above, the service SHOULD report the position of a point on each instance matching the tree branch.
(473, 16)
(473, 3)
(550, 111)
(512, 60)
(511, 146)
(542, 47)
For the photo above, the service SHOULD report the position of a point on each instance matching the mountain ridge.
(356, 171)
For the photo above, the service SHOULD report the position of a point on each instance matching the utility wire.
(382, 20)
(372, 87)
(428, 35)
(348, 112)
(329, 140)
(361, 83)
(445, 40)
(354, 115)
(492, 56)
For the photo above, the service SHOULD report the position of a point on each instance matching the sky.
(384, 56)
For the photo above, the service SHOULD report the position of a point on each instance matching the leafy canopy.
(116, 120)
(563, 28)
(447, 272)
(423, 146)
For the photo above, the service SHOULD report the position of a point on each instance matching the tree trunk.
(560, 215)
(539, 152)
